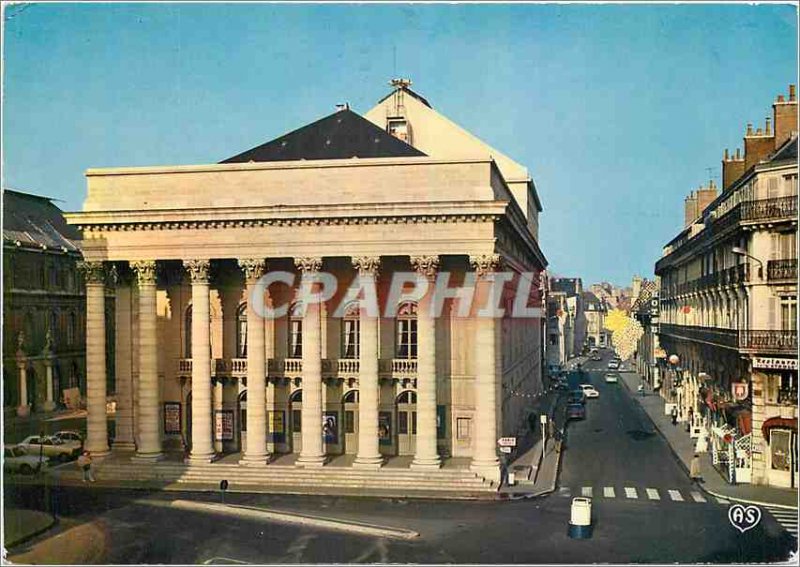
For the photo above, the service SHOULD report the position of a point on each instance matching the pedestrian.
(694, 469)
(674, 414)
(85, 463)
(641, 390)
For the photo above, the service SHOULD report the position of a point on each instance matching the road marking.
(630, 492)
(675, 495)
(586, 491)
(697, 497)
(224, 561)
(652, 494)
(722, 500)
(786, 518)
(608, 492)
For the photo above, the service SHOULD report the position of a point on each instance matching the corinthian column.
(124, 365)
(202, 443)
(368, 387)
(426, 455)
(256, 451)
(484, 458)
(312, 453)
(149, 418)
(96, 421)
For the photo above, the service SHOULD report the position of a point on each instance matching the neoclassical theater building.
(199, 369)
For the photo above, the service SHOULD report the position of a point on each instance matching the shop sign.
(739, 390)
(771, 363)
(223, 425)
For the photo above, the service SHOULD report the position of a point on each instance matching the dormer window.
(399, 128)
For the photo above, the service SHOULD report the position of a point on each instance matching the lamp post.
(742, 252)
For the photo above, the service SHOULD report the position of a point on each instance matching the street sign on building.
(507, 442)
(770, 363)
(739, 390)
(505, 449)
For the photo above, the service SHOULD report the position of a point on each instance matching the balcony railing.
(731, 276)
(778, 208)
(754, 341)
(782, 270)
(237, 367)
(398, 366)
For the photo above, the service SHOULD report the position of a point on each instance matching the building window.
(296, 331)
(351, 329)
(407, 330)
(241, 331)
(789, 313)
(463, 426)
(297, 421)
(187, 327)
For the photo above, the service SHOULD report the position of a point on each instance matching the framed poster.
(330, 427)
(223, 425)
(277, 426)
(385, 428)
(172, 418)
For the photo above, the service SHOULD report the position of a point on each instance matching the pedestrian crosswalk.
(641, 493)
(786, 517)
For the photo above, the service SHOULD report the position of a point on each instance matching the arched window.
(296, 330)
(351, 330)
(241, 331)
(406, 332)
(350, 397)
(297, 414)
(407, 397)
(187, 328)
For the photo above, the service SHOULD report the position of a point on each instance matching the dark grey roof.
(35, 222)
(590, 298)
(570, 286)
(342, 135)
(787, 151)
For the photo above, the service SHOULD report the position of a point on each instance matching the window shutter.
(771, 313)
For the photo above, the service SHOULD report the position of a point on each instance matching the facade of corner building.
(559, 346)
(352, 197)
(729, 309)
(44, 307)
(595, 312)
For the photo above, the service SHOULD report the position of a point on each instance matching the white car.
(69, 436)
(612, 378)
(50, 447)
(589, 390)
(16, 459)
(613, 365)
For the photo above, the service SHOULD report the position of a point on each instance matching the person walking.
(85, 463)
(674, 414)
(694, 469)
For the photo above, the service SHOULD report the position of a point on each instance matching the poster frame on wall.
(173, 418)
(223, 425)
(385, 428)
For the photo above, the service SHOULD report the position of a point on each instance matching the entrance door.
(296, 420)
(407, 423)
(350, 402)
(241, 404)
(783, 458)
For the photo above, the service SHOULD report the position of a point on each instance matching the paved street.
(644, 510)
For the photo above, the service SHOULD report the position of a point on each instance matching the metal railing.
(782, 269)
(755, 341)
(777, 208)
(730, 276)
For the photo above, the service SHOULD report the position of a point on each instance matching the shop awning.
(773, 422)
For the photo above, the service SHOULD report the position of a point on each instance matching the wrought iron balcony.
(750, 340)
(778, 270)
(776, 209)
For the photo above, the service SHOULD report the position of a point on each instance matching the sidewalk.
(543, 468)
(21, 525)
(683, 447)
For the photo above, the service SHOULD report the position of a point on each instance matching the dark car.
(576, 411)
(576, 397)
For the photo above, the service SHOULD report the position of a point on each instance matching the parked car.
(69, 436)
(16, 459)
(50, 447)
(576, 397)
(612, 378)
(613, 365)
(590, 391)
(576, 411)
(596, 358)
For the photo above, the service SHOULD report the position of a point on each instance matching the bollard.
(580, 521)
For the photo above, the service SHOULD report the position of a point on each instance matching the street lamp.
(742, 252)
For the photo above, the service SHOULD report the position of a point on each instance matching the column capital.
(367, 265)
(145, 271)
(308, 264)
(199, 270)
(486, 265)
(253, 268)
(426, 266)
(93, 272)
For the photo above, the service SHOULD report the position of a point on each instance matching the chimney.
(705, 196)
(757, 147)
(690, 212)
(784, 115)
(732, 169)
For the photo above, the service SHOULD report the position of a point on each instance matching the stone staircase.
(332, 480)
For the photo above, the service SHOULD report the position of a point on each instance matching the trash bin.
(580, 520)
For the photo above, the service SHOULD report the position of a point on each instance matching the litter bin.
(580, 520)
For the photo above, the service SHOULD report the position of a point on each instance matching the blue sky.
(617, 110)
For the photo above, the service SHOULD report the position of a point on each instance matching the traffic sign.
(507, 441)
(505, 449)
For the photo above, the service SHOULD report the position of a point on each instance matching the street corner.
(84, 544)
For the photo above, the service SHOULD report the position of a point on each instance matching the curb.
(700, 486)
(287, 518)
(27, 537)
